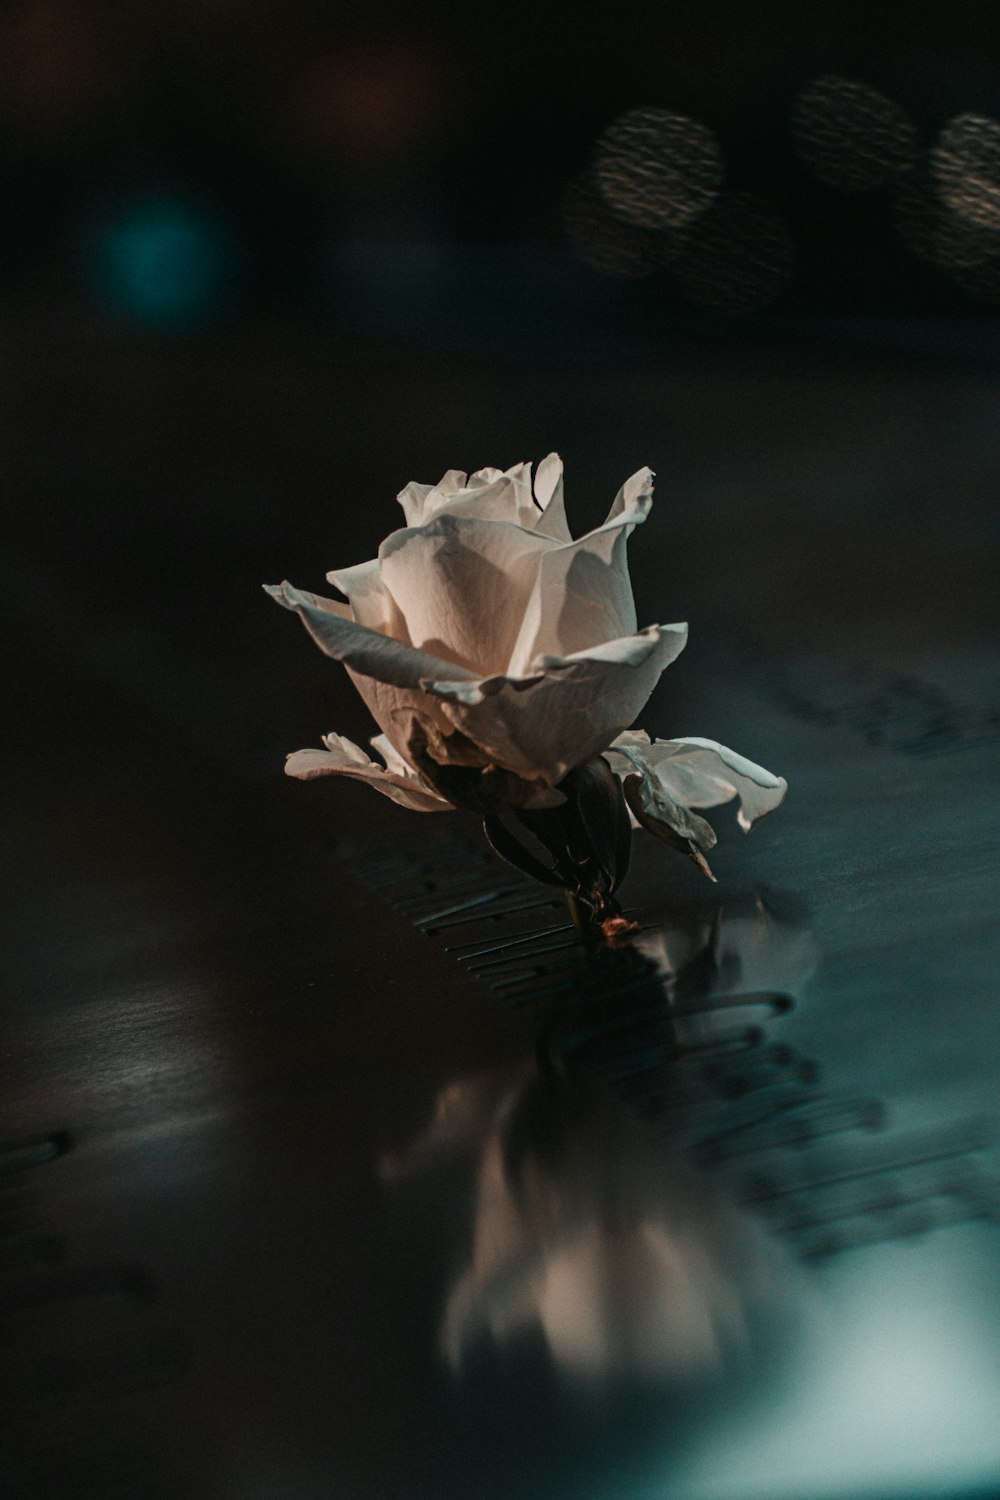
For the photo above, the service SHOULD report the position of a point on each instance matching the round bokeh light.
(850, 135)
(658, 170)
(163, 262)
(966, 166)
(933, 232)
(602, 241)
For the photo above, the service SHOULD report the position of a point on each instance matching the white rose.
(497, 655)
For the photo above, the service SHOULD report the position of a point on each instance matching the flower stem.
(578, 916)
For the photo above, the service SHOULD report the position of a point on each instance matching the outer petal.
(393, 760)
(583, 594)
(549, 498)
(343, 758)
(538, 727)
(371, 602)
(569, 709)
(365, 650)
(631, 492)
(387, 673)
(463, 585)
(700, 773)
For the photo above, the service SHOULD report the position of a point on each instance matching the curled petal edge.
(567, 710)
(627, 651)
(696, 772)
(342, 757)
(366, 651)
(597, 691)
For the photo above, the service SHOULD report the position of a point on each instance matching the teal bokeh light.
(164, 263)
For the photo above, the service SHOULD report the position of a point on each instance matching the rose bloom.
(497, 655)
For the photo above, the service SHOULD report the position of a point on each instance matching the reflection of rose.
(625, 1262)
(498, 654)
(750, 953)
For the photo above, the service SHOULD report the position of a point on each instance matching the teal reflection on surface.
(718, 1272)
(895, 1394)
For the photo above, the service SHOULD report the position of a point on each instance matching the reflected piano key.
(654, 1189)
(678, 1251)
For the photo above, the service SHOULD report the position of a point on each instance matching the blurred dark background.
(430, 176)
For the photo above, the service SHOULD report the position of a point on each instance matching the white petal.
(550, 499)
(701, 773)
(371, 602)
(420, 501)
(387, 673)
(343, 758)
(538, 726)
(495, 495)
(346, 750)
(571, 708)
(317, 603)
(463, 585)
(363, 649)
(507, 498)
(482, 477)
(633, 492)
(414, 499)
(454, 481)
(393, 760)
(632, 738)
(583, 594)
(488, 495)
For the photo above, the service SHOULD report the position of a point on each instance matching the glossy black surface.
(296, 1203)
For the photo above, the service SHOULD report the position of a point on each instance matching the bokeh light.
(933, 232)
(850, 135)
(163, 262)
(658, 170)
(739, 256)
(600, 239)
(966, 166)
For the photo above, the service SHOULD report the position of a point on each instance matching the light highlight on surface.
(898, 1396)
